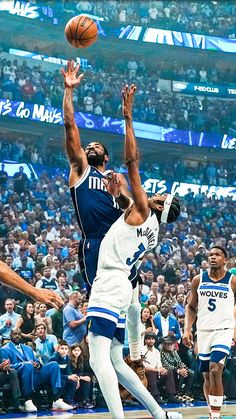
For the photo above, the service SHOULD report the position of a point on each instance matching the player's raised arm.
(191, 313)
(76, 154)
(132, 153)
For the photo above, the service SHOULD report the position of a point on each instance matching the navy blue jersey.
(49, 285)
(96, 210)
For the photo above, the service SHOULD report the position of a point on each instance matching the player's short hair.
(149, 335)
(63, 342)
(39, 325)
(220, 248)
(61, 272)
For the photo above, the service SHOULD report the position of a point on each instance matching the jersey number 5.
(140, 250)
(211, 304)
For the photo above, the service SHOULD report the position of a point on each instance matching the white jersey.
(124, 244)
(215, 303)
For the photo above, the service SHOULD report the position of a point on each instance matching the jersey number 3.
(211, 304)
(140, 250)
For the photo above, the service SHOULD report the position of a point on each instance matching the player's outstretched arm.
(191, 313)
(132, 154)
(11, 279)
(76, 154)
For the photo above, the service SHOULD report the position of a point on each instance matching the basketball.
(81, 31)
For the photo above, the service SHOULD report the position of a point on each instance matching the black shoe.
(187, 398)
(130, 403)
(88, 405)
(2, 411)
(173, 399)
(160, 400)
(19, 409)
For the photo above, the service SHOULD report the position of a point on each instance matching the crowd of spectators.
(39, 237)
(211, 18)
(204, 17)
(39, 234)
(188, 171)
(168, 169)
(99, 93)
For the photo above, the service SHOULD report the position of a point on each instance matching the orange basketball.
(81, 31)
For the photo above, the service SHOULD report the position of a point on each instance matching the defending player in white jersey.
(135, 232)
(212, 302)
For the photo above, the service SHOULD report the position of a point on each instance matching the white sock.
(133, 324)
(132, 383)
(215, 402)
(215, 415)
(100, 361)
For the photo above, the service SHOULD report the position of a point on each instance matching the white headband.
(167, 205)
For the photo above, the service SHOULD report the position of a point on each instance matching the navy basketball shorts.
(88, 259)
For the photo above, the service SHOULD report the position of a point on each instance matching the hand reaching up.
(127, 100)
(70, 75)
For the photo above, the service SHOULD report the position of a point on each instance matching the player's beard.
(95, 159)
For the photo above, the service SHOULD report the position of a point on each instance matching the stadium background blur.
(185, 121)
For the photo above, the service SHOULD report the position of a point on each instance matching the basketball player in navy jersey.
(127, 240)
(96, 209)
(11, 279)
(211, 302)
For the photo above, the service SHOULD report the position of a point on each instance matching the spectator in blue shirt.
(166, 323)
(41, 246)
(165, 247)
(74, 323)
(45, 344)
(17, 262)
(26, 273)
(8, 320)
(179, 309)
(64, 248)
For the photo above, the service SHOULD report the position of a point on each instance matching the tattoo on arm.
(76, 165)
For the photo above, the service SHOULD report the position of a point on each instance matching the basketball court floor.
(193, 411)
